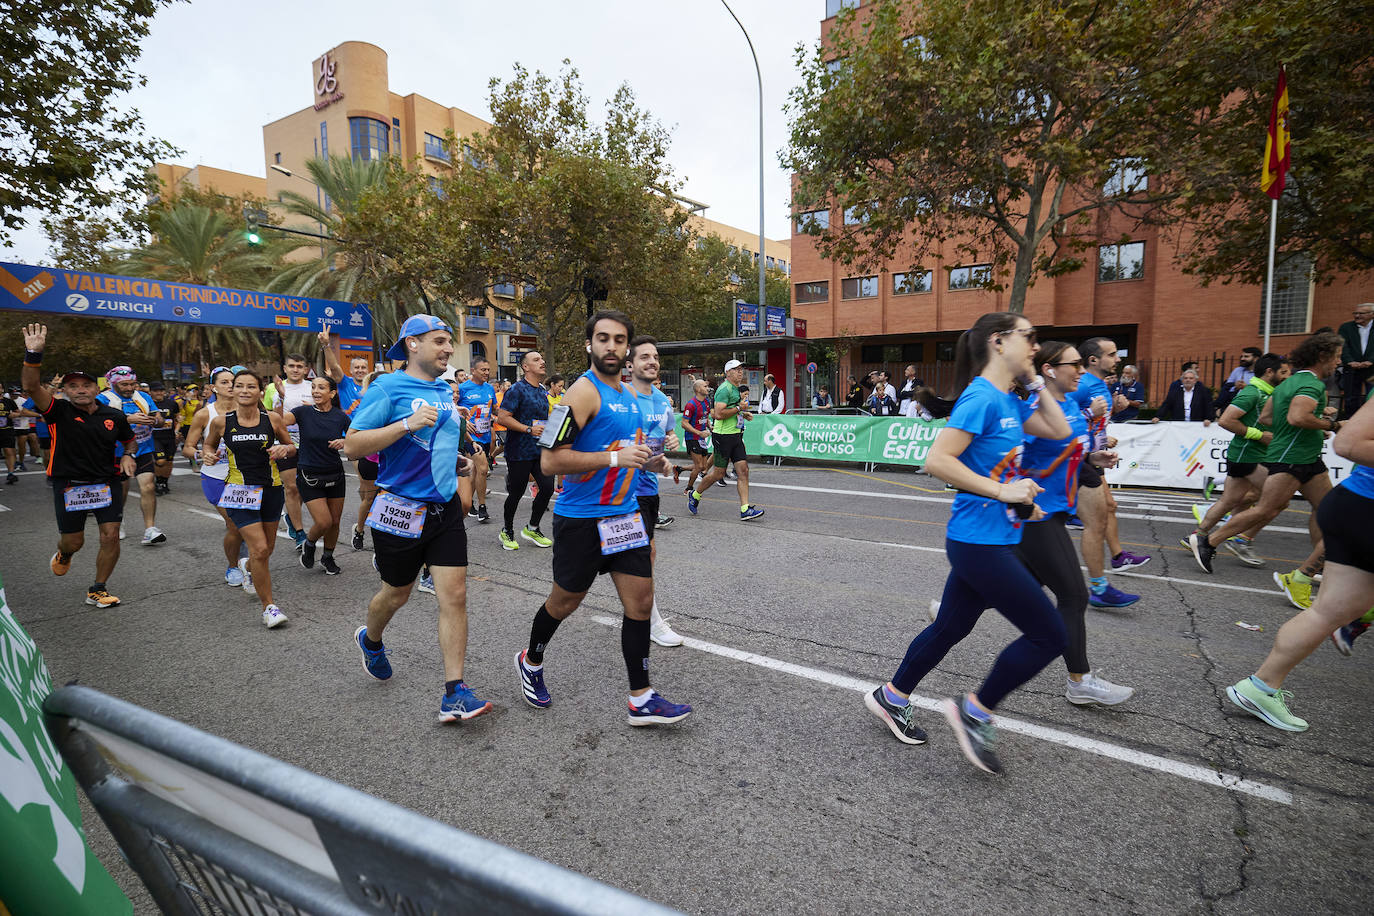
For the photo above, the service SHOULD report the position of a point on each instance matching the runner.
(417, 519)
(287, 394)
(1245, 472)
(498, 443)
(212, 476)
(1045, 547)
(195, 399)
(728, 440)
(1300, 421)
(696, 423)
(596, 526)
(85, 468)
(25, 439)
(319, 470)
(978, 452)
(656, 419)
(9, 408)
(524, 411)
(479, 397)
(255, 440)
(1348, 582)
(164, 436)
(124, 394)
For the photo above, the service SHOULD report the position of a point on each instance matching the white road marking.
(1205, 775)
(4, 508)
(206, 513)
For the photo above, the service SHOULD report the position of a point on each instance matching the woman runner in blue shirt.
(979, 452)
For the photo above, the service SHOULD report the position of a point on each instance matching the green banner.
(48, 868)
(822, 437)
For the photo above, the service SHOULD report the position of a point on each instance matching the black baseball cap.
(78, 373)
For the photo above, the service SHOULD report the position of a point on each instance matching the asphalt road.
(781, 794)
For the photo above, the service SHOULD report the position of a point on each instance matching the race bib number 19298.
(394, 515)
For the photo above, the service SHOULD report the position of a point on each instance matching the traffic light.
(253, 217)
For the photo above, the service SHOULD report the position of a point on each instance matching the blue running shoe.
(1074, 522)
(374, 660)
(461, 703)
(532, 683)
(1111, 596)
(748, 515)
(426, 584)
(693, 502)
(659, 711)
(233, 576)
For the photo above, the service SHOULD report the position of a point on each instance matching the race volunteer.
(83, 466)
(124, 394)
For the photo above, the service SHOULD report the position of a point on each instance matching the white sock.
(531, 668)
(639, 701)
(654, 615)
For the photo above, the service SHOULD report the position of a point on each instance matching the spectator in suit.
(1357, 358)
(1177, 383)
(1190, 401)
(909, 385)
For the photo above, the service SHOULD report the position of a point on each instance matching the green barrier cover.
(881, 440)
(48, 867)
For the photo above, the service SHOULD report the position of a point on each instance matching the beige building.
(205, 178)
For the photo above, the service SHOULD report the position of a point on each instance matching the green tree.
(993, 132)
(728, 275)
(68, 143)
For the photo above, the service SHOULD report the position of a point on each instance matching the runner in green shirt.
(1300, 421)
(727, 437)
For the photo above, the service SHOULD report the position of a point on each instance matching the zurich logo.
(78, 303)
(779, 436)
(329, 311)
(417, 403)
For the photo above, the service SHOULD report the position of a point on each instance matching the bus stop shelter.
(781, 355)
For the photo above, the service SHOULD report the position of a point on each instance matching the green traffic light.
(253, 238)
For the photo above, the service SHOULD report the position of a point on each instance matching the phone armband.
(559, 429)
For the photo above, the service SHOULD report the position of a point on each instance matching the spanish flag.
(1274, 173)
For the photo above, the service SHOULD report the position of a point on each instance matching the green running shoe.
(535, 537)
(1299, 593)
(508, 540)
(1269, 707)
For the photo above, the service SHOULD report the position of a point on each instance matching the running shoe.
(374, 660)
(663, 521)
(100, 598)
(357, 538)
(900, 719)
(1271, 707)
(472, 511)
(1200, 512)
(976, 738)
(330, 567)
(661, 633)
(121, 532)
(12, 478)
(1095, 691)
(934, 609)
(535, 537)
(461, 704)
(693, 502)
(307, 556)
(1240, 549)
(272, 617)
(247, 577)
(233, 577)
(658, 711)
(1345, 637)
(1074, 522)
(677, 475)
(508, 540)
(426, 584)
(1111, 596)
(751, 513)
(153, 535)
(299, 538)
(482, 516)
(721, 482)
(532, 683)
(60, 566)
(1203, 552)
(1124, 561)
(1299, 594)
(21, 466)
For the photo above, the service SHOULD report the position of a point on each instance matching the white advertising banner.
(1183, 455)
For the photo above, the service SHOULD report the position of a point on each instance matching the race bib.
(89, 496)
(481, 420)
(622, 532)
(4, 421)
(395, 515)
(240, 496)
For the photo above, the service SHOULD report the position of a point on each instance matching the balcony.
(529, 329)
(477, 322)
(505, 326)
(505, 290)
(435, 152)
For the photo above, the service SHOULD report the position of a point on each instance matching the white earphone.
(1050, 373)
(414, 347)
(589, 348)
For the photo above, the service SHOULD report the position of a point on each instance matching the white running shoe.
(233, 577)
(934, 609)
(153, 535)
(121, 532)
(1242, 551)
(247, 577)
(272, 616)
(661, 633)
(1094, 691)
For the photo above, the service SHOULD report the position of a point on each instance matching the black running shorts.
(442, 542)
(164, 444)
(697, 448)
(729, 449)
(577, 557)
(287, 464)
(1346, 533)
(312, 484)
(145, 464)
(1089, 476)
(1240, 469)
(1303, 472)
(72, 522)
(367, 470)
(648, 507)
(273, 502)
(6, 437)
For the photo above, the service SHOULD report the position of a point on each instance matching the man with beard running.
(597, 526)
(124, 394)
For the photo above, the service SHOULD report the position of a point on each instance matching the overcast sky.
(219, 69)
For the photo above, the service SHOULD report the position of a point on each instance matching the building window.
(1121, 262)
(471, 158)
(813, 220)
(1126, 177)
(436, 187)
(835, 66)
(913, 352)
(369, 138)
(529, 290)
(396, 139)
(944, 351)
(276, 157)
(833, 7)
(1292, 295)
(818, 291)
(503, 289)
(477, 350)
(324, 140)
(973, 276)
(916, 281)
(856, 215)
(434, 147)
(859, 288)
(871, 353)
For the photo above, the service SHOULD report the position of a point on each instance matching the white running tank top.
(220, 469)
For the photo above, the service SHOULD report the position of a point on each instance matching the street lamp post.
(759, 73)
(318, 190)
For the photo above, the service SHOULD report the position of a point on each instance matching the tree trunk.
(1020, 278)
(546, 339)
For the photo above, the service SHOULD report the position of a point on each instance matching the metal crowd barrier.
(212, 827)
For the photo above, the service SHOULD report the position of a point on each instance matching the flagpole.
(1269, 294)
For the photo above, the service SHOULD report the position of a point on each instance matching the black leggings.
(1049, 554)
(518, 475)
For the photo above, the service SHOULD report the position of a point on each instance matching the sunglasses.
(1076, 362)
(1028, 333)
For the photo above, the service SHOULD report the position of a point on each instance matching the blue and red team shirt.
(1053, 463)
(350, 394)
(1089, 387)
(607, 491)
(138, 402)
(697, 413)
(995, 420)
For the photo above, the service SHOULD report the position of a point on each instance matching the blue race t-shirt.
(350, 394)
(528, 404)
(1053, 463)
(39, 426)
(478, 399)
(606, 491)
(655, 418)
(138, 402)
(421, 465)
(994, 418)
(1089, 387)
